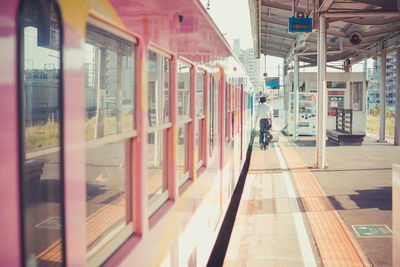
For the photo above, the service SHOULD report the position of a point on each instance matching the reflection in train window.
(159, 121)
(109, 75)
(183, 91)
(211, 115)
(109, 84)
(233, 107)
(214, 111)
(200, 118)
(200, 75)
(41, 142)
(158, 95)
(184, 118)
(226, 112)
(156, 158)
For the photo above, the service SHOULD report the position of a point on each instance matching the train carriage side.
(125, 125)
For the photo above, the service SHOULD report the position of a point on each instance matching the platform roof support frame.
(382, 119)
(322, 99)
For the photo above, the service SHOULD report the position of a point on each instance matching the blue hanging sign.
(300, 24)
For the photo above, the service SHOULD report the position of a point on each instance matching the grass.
(46, 135)
(373, 123)
(110, 124)
(41, 136)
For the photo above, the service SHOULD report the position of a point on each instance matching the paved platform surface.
(292, 214)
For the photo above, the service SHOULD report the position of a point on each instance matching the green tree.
(377, 111)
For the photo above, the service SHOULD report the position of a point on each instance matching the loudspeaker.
(355, 38)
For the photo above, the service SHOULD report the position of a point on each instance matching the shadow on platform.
(380, 198)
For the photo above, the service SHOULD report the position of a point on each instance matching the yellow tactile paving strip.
(335, 243)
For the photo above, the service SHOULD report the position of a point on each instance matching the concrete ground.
(358, 183)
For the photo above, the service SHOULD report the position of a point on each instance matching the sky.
(233, 19)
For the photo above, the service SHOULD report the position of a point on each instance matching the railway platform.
(292, 214)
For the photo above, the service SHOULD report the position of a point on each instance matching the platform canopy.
(375, 22)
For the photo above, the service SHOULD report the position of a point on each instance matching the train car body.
(124, 127)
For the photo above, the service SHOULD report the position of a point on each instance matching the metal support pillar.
(382, 99)
(397, 114)
(322, 101)
(285, 98)
(317, 136)
(295, 96)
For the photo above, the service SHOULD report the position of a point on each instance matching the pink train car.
(124, 126)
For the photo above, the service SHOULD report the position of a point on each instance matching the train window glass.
(211, 116)
(183, 91)
(109, 83)
(109, 91)
(106, 191)
(158, 179)
(200, 118)
(158, 86)
(159, 66)
(184, 117)
(233, 92)
(182, 152)
(226, 100)
(200, 92)
(199, 142)
(41, 128)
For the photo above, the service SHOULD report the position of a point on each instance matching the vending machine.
(306, 120)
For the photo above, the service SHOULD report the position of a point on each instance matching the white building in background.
(374, 78)
(255, 67)
(236, 47)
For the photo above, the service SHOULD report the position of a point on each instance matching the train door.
(41, 133)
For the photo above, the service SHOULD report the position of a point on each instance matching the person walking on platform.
(264, 112)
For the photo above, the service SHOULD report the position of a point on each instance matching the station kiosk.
(345, 91)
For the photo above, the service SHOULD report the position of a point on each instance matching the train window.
(158, 94)
(227, 113)
(184, 118)
(109, 90)
(159, 66)
(41, 128)
(109, 84)
(233, 107)
(183, 102)
(212, 114)
(200, 117)
(200, 75)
